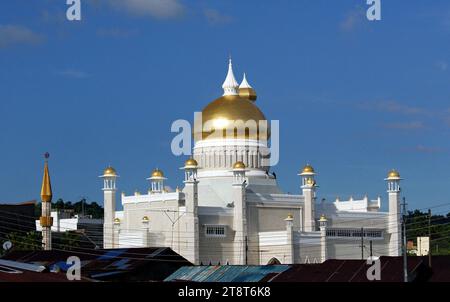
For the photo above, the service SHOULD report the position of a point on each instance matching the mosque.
(230, 208)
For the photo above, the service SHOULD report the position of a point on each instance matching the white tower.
(109, 203)
(240, 215)
(309, 193)
(394, 221)
(323, 238)
(191, 201)
(157, 181)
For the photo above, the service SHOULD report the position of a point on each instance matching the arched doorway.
(273, 261)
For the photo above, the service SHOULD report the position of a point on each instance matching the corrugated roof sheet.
(351, 271)
(225, 273)
(139, 264)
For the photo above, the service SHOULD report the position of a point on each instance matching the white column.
(308, 193)
(394, 221)
(239, 222)
(46, 222)
(145, 232)
(323, 239)
(192, 227)
(116, 234)
(109, 203)
(290, 240)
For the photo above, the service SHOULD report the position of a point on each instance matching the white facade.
(231, 209)
(63, 222)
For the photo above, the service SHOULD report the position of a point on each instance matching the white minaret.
(394, 221)
(109, 204)
(309, 193)
(230, 85)
(46, 220)
(289, 259)
(323, 238)
(191, 201)
(157, 181)
(240, 215)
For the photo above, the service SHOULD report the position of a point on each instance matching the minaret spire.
(230, 85)
(46, 189)
(46, 219)
(244, 83)
(246, 91)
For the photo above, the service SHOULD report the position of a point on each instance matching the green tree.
(30, 241)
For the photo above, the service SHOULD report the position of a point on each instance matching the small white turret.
(246, 91)
(157, 181)
(230, 85)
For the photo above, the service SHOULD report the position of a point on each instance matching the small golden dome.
(191, 163)
(157, 173)
(109, 171)
(145, 219)
(116, 220)
(239, 165)
(393, 174)
(248, 93)
(323, 217)
(290, 216)
(308, 169)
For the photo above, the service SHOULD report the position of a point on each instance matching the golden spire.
(46, 190)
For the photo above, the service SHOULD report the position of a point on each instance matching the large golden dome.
(233, 112)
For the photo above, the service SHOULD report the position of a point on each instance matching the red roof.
(350, 271)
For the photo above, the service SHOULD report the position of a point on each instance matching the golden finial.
(46, 190)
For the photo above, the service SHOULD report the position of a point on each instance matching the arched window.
(273, 261)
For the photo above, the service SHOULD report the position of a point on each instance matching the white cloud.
(442, 65)
(116, 32)
(353, 19)
(423, 149)
(11, 35)
(393, 107)
(213, 16)
(405, 126)
(162, 9)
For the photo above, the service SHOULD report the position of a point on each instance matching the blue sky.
(354, 98)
